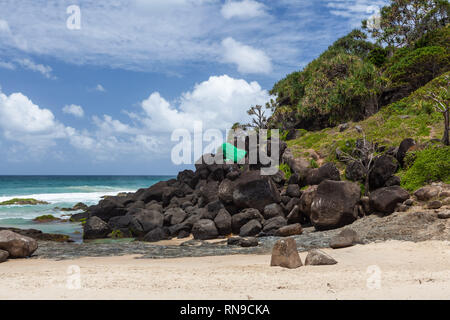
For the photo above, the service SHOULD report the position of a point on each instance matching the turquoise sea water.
(61, 192)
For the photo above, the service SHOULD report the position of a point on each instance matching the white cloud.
(74, 110)
(7, 65)
(218, 103)
(4, 27)
(243, 9)
(29, 64)
(247, 59)
(100, 88)
(356, 10)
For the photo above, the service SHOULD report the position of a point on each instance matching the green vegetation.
(286, 169)
(46, 218)
(18, 201)
(116, 234)
(429, 165)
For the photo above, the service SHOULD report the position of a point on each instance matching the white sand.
(407, 271)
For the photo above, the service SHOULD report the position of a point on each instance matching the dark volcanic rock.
(306, 200)
(354, 171)
(293, 191)
(384, 167)
(318, 258)
(120, 222)
(226, 189)
(285, 254)
(107, 209)
(328, 171)
(175, 216)
(272, 210)
(335, 204)
(238, 220)
(385, 200)
(95, 228)
(39, 235)
(223, 222)
(145, 221)
(251, 228)
(16, 245)
(155, 192)
(393, 181)
(272, 225)
(210, 192)
(205, 229)
(405, 145)
(255, 191)
(295, 216)
(156, 235)
(188, 177)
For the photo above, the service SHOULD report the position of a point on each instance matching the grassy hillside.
(411, 117)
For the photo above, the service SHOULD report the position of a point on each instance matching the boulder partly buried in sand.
(318, 258)
(95, 228)
(285, 254)
(385, 200)
(347, 238)
(3, 255)
(16, 245)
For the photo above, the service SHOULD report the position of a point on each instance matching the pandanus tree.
(441, 104)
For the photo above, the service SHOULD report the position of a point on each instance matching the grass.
(45, 218)
(411, 117)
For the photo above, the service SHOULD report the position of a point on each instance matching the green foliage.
(116, 234)
(430, 165)
(405, 21)
(287, 170)
(313, 164)
(419, 66)
(378, 57)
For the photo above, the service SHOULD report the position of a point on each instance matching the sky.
(99, 86)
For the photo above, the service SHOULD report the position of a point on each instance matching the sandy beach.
(384, 270)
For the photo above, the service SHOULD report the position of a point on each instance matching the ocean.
(61, 192)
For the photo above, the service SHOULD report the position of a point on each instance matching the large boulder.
(188, 177)
(157, 234)
(118, 223)
(354, 171)
(18, 246)
(403, 149)
(427, 193)
(384, 167)
(205, 229)
(385, 200)
(210, 191)
(223, 222)
(285, 254)
(240, 219)
(300, 166)
(293, 191)
(326, 172)
(175, 216)
(108, 208)
(145, 221)
(226, 189)
(272, 210)
(335, 204)
(306, 200)
(155, 192)
(3, 255)
(255, 191)
(95, 228)
(250, 229)
(272, 225)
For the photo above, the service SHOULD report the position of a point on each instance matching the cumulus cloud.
(356, 10)
(247, 59)
(243, 9)
(29, 64)
(7, 65)
(74, 110)
(218, 103)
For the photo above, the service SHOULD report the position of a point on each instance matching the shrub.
(287, 170)
(429, 165)
(378, 57)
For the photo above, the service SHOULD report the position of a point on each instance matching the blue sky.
(104, 99)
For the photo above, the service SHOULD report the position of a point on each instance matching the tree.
(259, 120)
(405, 21)
(441, 105)
(364, 153)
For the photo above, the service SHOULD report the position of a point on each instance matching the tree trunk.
(366, 185)
(445, 139)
